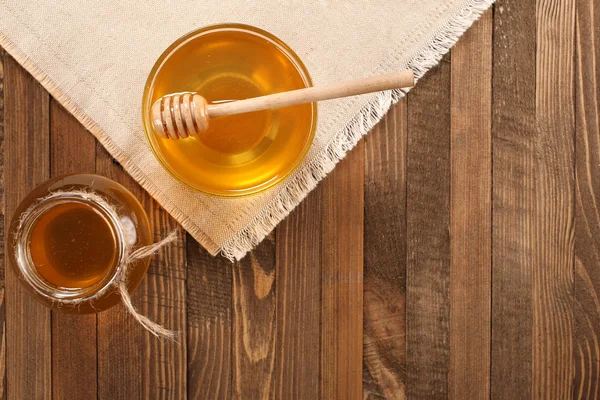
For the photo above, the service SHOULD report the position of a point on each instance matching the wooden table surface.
(454, 253)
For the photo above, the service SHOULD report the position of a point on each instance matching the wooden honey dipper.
(181, 115)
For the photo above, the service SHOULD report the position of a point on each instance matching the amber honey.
(66, 245)
(73, 245)
(239, 154)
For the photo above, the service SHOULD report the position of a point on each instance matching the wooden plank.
(342, 279)
(513, 126)
(298, 297)
(3, 366)
(471, 212)
(26, 151)
(121, 346)
(2, 254)
(586, 339)
(209, 324)
(533, 199)
(254, 305)
(72, 150)
(428, 239)
(164, 366)
(553, 257)
(131, 362)
(384, 362)
(2, 183)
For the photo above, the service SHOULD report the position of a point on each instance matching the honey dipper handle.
(308, 95)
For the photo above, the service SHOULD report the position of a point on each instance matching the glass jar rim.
(27, 267)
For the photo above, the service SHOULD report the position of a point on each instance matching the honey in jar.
(68, 240)
(73, 245)
(239, 154)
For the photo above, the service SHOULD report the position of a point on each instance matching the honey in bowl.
(239, 154)
(72, 245)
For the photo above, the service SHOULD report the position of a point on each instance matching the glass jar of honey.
(69, 238)
(241, 154)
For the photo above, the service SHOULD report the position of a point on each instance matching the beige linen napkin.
(94, 58)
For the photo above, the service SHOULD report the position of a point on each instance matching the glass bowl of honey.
(68, 238)
(241, 154)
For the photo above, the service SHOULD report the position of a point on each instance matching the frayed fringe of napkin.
(297, 187)
(308, 176)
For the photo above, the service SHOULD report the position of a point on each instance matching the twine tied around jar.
(127, 234)
(139, 254)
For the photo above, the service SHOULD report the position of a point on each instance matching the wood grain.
(26, 151)
(254, 331)
(72, 150)
(513, 127)
(209, 324)
(3, 367)
(342, 279)
(533, 201)
(384, 309)
(471, 213)
(586, 338)
(121, 347)
(554, 159)
(298, 302)
(2, 254)
(2, 182)
(428, 236)
(164, 301)
(132, 362)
